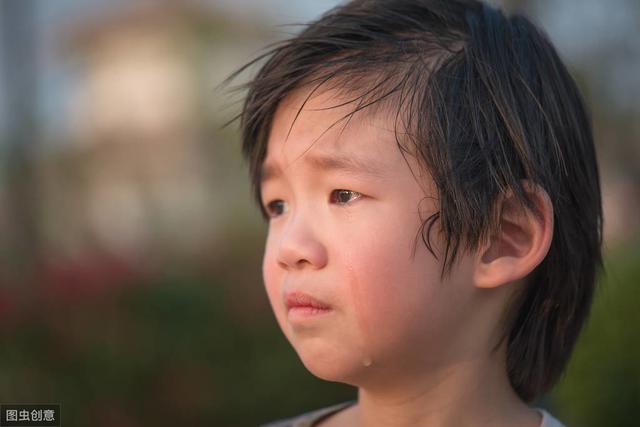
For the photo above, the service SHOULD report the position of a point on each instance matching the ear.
(522, 242)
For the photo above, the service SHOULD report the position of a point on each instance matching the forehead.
(325, 133)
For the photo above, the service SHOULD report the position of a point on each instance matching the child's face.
(390, 312)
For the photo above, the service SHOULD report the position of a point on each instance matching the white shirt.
(309, 419)
(548, 420)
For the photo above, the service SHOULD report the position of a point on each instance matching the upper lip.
(300, 299)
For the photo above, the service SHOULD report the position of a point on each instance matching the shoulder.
(308, 419)
(549, 420)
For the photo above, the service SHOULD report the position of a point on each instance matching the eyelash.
(270, 204)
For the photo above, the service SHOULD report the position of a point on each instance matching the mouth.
(301, 306)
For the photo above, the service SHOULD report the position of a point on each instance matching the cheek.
(390, 291)
(272, 277)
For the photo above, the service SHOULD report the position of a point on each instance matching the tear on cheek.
(363, 331)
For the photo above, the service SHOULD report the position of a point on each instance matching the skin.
(417, 347)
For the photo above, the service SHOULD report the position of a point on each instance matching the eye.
(344, 196)
(276, 208)
(275, 205)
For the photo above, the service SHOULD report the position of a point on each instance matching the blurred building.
(142, 171)
(139, 175)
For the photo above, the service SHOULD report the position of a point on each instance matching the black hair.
(485, 102)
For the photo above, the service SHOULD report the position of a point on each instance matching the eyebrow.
(346, 163)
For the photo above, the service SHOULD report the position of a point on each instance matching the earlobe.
(522, 242)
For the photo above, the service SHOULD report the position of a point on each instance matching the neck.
(472, 392)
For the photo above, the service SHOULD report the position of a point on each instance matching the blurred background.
(130, 282)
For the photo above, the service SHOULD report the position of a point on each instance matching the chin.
(329, 366)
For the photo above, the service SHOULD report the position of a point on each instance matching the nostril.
(301, 263)
(282, 265)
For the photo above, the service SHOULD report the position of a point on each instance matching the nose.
(300, 246)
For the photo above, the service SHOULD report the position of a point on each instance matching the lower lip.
(302, 313)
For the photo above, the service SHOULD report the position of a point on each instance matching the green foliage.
(184, 350)
(204, 349)
(602, 384)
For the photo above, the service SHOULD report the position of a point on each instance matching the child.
(389, 120)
